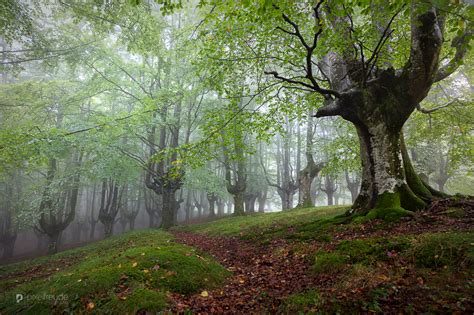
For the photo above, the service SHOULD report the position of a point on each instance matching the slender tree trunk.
(352, 186)
(92, 232)
(212, 199)
(131, 223)
(53, 242)
(169, 205)
(286, 199)
(262, 198)
(108, 228)
(220, 206)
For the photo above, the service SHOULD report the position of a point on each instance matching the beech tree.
(371, 69)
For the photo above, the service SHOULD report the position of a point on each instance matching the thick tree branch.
(426, 42)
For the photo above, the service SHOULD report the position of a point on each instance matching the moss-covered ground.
(298, 261)
(124, 274)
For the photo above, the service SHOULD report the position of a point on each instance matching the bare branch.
(460, 43)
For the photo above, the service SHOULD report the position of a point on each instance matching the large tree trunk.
(384, 187)
(443, 174)
(305, 181)
(131, 223)
(151, 219)
(378, 100)
(378, 108)
(249, 201)
(329, 189)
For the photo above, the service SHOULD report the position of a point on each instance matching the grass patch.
(431, 250)
(364, 251)
(127, 273)
(307, 302)
(329, 263)
(436, 250)
(296, 223)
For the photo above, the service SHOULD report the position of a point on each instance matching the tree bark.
(239, 208)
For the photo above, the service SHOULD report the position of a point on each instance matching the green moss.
(141, 299)
(443, 249)
(414, 181)
(329, 263)
(305, 302)
(133, 272)
(410, 201)
(388, 208)
(368, 251)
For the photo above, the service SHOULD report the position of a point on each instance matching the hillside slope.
(305, 260)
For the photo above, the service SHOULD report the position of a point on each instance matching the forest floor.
(421, 264)
(304, 260)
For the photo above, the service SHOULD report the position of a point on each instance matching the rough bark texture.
(376, 98)
(378, 103)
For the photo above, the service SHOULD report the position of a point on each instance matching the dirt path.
(262, 275)
(265, 274)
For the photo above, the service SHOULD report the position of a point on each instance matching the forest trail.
(266, 274)
(262, 274)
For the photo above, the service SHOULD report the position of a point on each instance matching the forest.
(236, 157)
